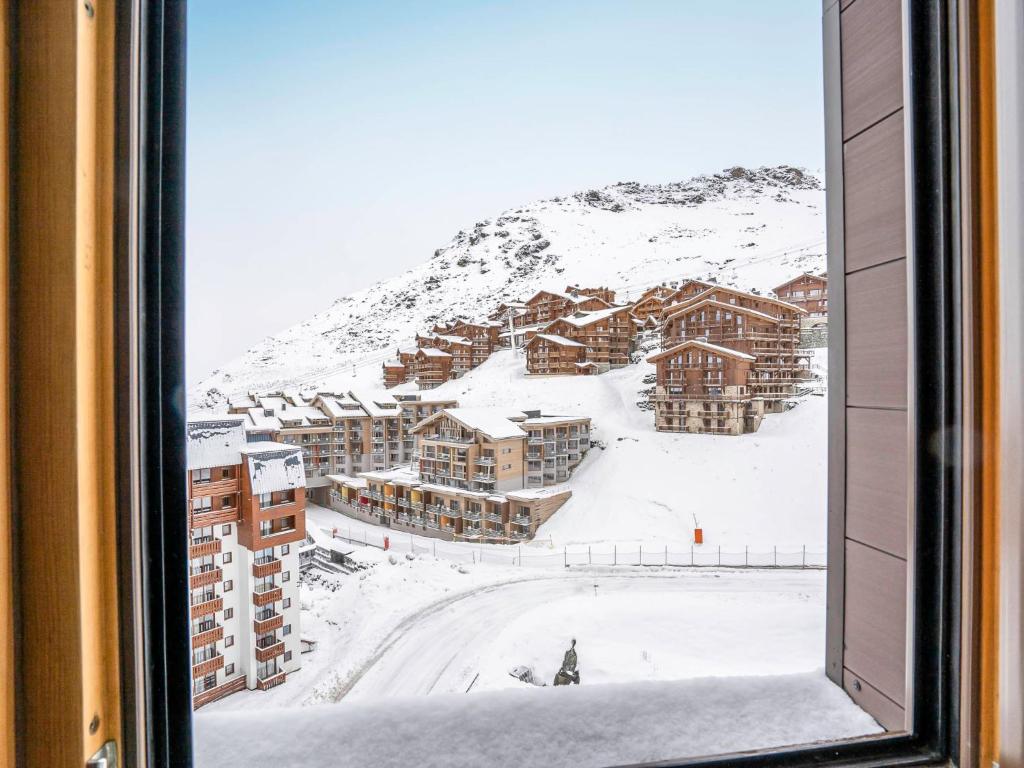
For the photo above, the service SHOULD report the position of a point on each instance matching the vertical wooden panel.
(7, 663)
(876, 218)
(872, 63)
(876, 336)
(62, 379)
(876, 478)
(876, 619)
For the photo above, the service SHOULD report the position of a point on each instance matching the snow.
(274, 467)
(583, 319)
(556, 340)
(760, 490)
(573, 726)
(703, 345)
(494, 422)
(748, 229)
(723, 306)
(215, 442)
(433, 352)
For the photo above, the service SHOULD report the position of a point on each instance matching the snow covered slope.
(752, 229)
(760, 490)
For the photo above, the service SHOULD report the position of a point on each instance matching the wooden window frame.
(156, 684)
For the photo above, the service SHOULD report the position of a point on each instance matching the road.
(442, 648)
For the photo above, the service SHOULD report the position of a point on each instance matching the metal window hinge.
(105, 757)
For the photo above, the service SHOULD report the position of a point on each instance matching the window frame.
(150, 148)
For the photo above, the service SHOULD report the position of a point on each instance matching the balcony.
(432, 524)
(205, 576)
(271, 595)
(207, 637)
(209, 546)
(472, 533)
(269, 623)
(417, 505)
(270, 652)
(376, 495)
(494, 517)
(472, 516)
(212, 605)
(521, 519)
(270, 681)
(266, 566)
(219, 487)
(208, 517)
(209, 666)
(483, 477)
(535, 441)
(519, 535)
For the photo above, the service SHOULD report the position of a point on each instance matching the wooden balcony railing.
(220, 487)
(261, 570)
(204, 668)
(205, 548)
(208, 606)
(208, 637)
(203, 578)
(265, 598)
(270, 652)
(266, 683)
(262, 626)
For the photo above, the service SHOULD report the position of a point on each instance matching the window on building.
(286, 576)
(286, 629)
(229, 613)
(227, 558)
(229, 641)
(287, 656)
(225, 530)
(228, 585)
(229, 670)
(286, 603)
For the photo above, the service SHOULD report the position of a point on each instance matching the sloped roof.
(495, 423)
(432, 352)
(555, 340)
(701, 345)
(673, 309)
(215, 442)
(274, 467)
(802, 275)
(583, 319)
(736, 308)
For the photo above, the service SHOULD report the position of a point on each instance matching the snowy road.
(630, 626)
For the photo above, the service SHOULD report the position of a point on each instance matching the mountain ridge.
(748, 228)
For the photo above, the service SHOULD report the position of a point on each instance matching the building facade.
(246, 508)
(480, 474)
(704, 388)
(809, 292)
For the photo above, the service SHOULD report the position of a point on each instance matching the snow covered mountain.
(748, 228)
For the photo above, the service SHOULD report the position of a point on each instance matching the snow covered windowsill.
(579, 726)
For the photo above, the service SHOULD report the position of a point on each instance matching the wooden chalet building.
(705, 388)
(771, 334)
(433, 367)
(550, 355)
(545, 306)
(809, 292)
(608, 335)
(605, 294)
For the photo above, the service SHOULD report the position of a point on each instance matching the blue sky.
(332, 144)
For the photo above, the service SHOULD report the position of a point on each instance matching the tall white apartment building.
(246, 523)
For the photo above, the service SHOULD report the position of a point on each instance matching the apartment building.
(481, 474)
(705, 388)
(340, 433)
(606, 294)
(400, 369)
(433, 367)
(809, 292)
(767, 328)
(550, 355)
(607, 335)
(545, 306)
(246, 508)
(484, 337)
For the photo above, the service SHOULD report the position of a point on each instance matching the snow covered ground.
(591, 726)
(759, 490)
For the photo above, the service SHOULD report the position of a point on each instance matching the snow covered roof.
(702, 345)
(339, 406)
(537, 421)
(557, 294)
(402, 475)
(303, 414)
(736, 308)
(352, 482)
(274, 467)
(555, 340)
(532, 494)
(241, 402)
(586, 364)
(376, 403)
(432, 352)
(260, 422)
(461, 340)
(688, 303)
(823, 278)
(394, 364)
(583, 319)
(495, 423)
(215, 442)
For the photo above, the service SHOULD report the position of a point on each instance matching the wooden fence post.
(615, 554)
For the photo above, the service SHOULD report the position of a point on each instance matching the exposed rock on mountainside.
(749, 228)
